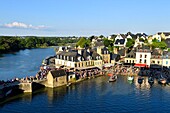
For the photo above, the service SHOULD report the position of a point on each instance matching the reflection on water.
(96, 95)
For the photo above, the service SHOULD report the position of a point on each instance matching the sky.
(83, 17)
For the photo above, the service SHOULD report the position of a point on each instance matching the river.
(93, 95)
(23, 63)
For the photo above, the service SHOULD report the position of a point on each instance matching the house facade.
(120, 40)
(166, 59)
(76, 59)
(56, 78)
(143, 56)
(156, 57)
(130, 57)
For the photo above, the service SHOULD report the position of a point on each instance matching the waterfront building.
(143, 56)
(130, 58)
(156, 57)
(78, 59)
(56, 78)
(105, 54)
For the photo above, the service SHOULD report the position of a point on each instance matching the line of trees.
(12, 44)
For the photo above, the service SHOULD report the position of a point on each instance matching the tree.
(130, 42)
(106, 42)
(83, 42)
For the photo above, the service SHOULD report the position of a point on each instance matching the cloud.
(23, 26)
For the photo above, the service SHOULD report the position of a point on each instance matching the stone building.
(56, 78)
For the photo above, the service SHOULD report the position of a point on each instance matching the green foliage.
(141, 39)
(162, 45)
(154, 40)
(83, 42)
(130, 42)
(106, 42)
(111, 48)
(12, 44)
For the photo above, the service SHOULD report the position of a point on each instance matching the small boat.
(130, 78)
(151, 80)
(140, 80)
(162, 81)
(113, 78)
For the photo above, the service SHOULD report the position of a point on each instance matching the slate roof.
(131, 54)
(121, 52)
(167, 41)
(94, 55)
(165, 33)
(85, 54)
(120, 41)
(58, 73)
(104, 50)
(156, 52)
(98, 43)
(71, 53)
(141, 34)
(115, 57)
(123, 36)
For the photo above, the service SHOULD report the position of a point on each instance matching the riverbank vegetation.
(15, 43)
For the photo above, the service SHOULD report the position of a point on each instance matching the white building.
(143, 56)
(166, 59)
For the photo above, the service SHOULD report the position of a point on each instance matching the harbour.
(95, 95)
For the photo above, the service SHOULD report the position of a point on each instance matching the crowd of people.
(81, 74)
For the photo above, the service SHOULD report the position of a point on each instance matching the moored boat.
(140, 80)
(151, 80)
(130, 78)
(113, 78)
(162, 81)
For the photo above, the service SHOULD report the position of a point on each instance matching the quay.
(46, 78)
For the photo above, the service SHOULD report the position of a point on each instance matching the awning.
(108, 65)
(85, 68)
(140, 65)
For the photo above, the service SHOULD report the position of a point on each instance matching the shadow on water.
(52, 95)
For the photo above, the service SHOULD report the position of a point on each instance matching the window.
(140, 61)
(145, 61)
(127, 61)
(167, 62)
(158, 62)
(153, 62)
(145, 56)
(133, 61)
(140, 55)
